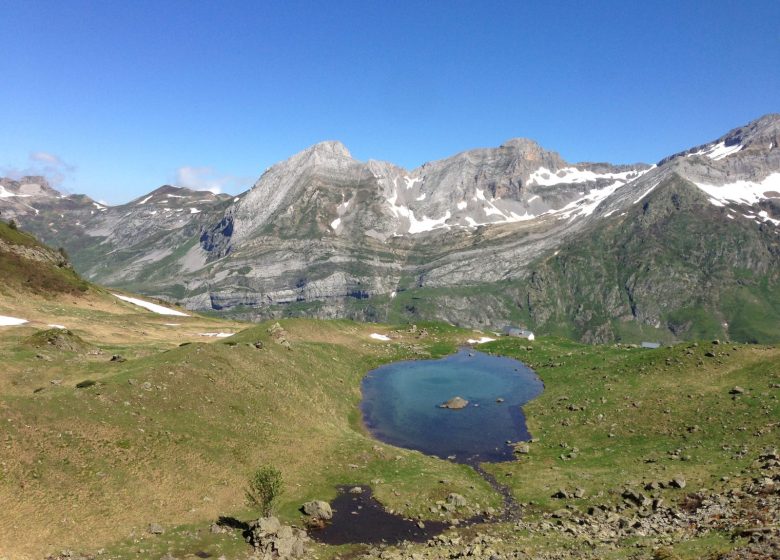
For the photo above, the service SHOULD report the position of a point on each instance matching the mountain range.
(688, 247)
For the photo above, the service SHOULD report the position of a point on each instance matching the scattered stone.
(709, 354)
(118, 358)
(156, 529)
(356, 490)
(522, 448)
(258, 344)
(677, 482)
(737, 390)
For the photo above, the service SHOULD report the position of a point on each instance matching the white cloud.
(46, 164)
(207, 179)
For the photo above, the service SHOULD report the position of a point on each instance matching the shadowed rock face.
(324, 234)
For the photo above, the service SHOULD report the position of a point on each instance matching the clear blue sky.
(114, 98)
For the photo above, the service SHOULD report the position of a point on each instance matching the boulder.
(455, 403)
(271, 539)
(456, 500)
(317, 509)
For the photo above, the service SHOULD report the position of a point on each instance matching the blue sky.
(116, 98)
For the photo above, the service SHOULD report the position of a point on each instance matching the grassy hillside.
(26, 264)
(170, 435)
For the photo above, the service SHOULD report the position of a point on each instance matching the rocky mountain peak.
(27, 186)
(525, 148)
(330, 148)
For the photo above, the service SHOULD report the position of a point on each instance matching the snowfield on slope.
(153, 307)
(6, 321)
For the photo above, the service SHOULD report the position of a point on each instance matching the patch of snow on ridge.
(426, 224)
(61, 327)
(6, 321)
(462, 205)
(586, 205)
(335, 223)
(648, 191)
(381, 337)
(743, 192)
(410, 182)
(159, 309)
(217, 334)
(194, 211)
(721, 150)
(145, 200)
(481, 340)
(543, 177)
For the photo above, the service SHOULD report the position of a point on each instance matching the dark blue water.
(401, 405)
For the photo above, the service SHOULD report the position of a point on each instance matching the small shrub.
(12, 225)
(265, 487)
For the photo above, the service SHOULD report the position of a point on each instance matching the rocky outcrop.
(272, 540)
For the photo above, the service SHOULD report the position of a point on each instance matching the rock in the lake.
(455, 403)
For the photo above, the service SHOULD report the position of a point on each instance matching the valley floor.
(134, 418)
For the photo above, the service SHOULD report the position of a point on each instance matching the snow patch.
(145, 200)
(194, 211)
(720, 151)
(543, 177)
(57, 326)
(648, 191)
(586, 205)
(462, 205)
(335, 223)
(382, 337)
(481, 340)
(6, 321)
(742, 192)
(217, 334)
(421, 197)
(159, 309)
(172, 324)
(410, 182)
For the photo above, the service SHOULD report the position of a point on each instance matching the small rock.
(118, 358)
(156, 529)
(737, 390)
(677, 482)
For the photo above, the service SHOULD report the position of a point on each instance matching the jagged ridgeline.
(682, 249)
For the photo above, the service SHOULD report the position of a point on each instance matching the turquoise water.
(401, 405)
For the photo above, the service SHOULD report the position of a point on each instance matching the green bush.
(265, 487)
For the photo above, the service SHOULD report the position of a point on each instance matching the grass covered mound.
(59, 339)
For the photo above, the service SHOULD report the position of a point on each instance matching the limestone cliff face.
(487, 236)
